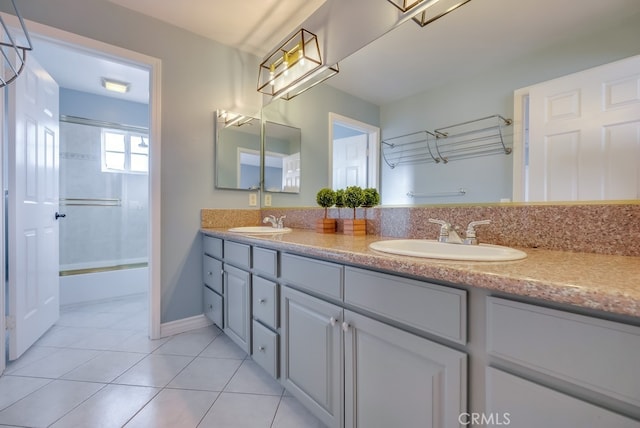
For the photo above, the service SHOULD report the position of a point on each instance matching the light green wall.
(488, 178)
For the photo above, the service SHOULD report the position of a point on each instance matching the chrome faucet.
(448, 233)
(470, 234)
(277, 222)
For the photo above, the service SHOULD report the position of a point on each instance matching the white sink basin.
(259, 229)
(437, 250)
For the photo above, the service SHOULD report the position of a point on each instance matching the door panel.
(394, 378)
(584, 135)
(33, 296)
(311, 354)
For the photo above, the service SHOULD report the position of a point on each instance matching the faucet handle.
(470, 234)
(445, 227)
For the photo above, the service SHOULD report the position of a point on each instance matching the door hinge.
(10, 323)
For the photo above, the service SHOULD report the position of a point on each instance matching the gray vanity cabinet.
(237, 293)
(212, 277)
(555, 368)
(237, 306)
(395, 379)
(354, 370)
(311, 357)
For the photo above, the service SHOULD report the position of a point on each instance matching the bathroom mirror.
(237, 151)
(282, 147)
(473, 75)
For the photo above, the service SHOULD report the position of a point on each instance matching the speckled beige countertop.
(602, 282)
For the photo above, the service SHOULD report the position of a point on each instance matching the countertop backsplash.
(600, 228)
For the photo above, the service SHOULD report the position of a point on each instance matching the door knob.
(58, 215)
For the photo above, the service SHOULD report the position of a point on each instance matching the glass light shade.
(294, 67)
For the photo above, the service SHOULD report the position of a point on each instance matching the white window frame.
(127, 151)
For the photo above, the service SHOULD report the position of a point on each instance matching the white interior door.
(291, 173)
(350, 161)
(33, 293)
(584, 135)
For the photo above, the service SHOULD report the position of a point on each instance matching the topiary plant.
(340, 198)
(353, 198)
(371, 197)
(326, 198)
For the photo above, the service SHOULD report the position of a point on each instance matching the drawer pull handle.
(262, 301)
(262, 349)
(345, 326)
(332, 321)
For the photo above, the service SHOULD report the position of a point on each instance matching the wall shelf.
(474, 138)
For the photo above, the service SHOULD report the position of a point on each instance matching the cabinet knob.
(262, 348)
(210, 306)
(332, 321)
(209, 273)
(262, 301)
(345, 326)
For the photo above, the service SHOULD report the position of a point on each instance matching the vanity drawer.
(212, 246)
(265, 348)
(212, 273)
(265, 301)
(317, 276)
(523, 404)
(428, 307)
(265, 261)
(596, 354)
(213, 306)
(237, 254)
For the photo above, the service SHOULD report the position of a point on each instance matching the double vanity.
(367, 338)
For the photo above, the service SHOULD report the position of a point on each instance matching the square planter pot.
(357, 227)
(326, 225)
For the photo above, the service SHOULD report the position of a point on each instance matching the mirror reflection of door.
(237, 151)
(282, 158)
(354, 148)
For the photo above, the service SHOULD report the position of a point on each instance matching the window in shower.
(124, 152)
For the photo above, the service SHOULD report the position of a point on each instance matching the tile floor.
(96, 368)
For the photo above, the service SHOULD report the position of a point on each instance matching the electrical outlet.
(267, 200)
(253, 199)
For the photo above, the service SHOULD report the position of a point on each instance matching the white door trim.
(374, 147)
(154, 66)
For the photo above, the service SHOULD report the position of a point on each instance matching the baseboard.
(185, 324)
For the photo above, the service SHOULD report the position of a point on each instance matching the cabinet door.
(237, 306)
(396, 379)
(311, 354)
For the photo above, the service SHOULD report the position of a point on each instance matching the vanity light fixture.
(115, 85)
(294, 67)
(227, 119)
(426, 11)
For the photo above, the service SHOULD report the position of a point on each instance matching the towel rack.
(13, 50)
(459, 192)
(91, 202)
(473, 138)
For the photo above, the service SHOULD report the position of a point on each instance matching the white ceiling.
(407, 60)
